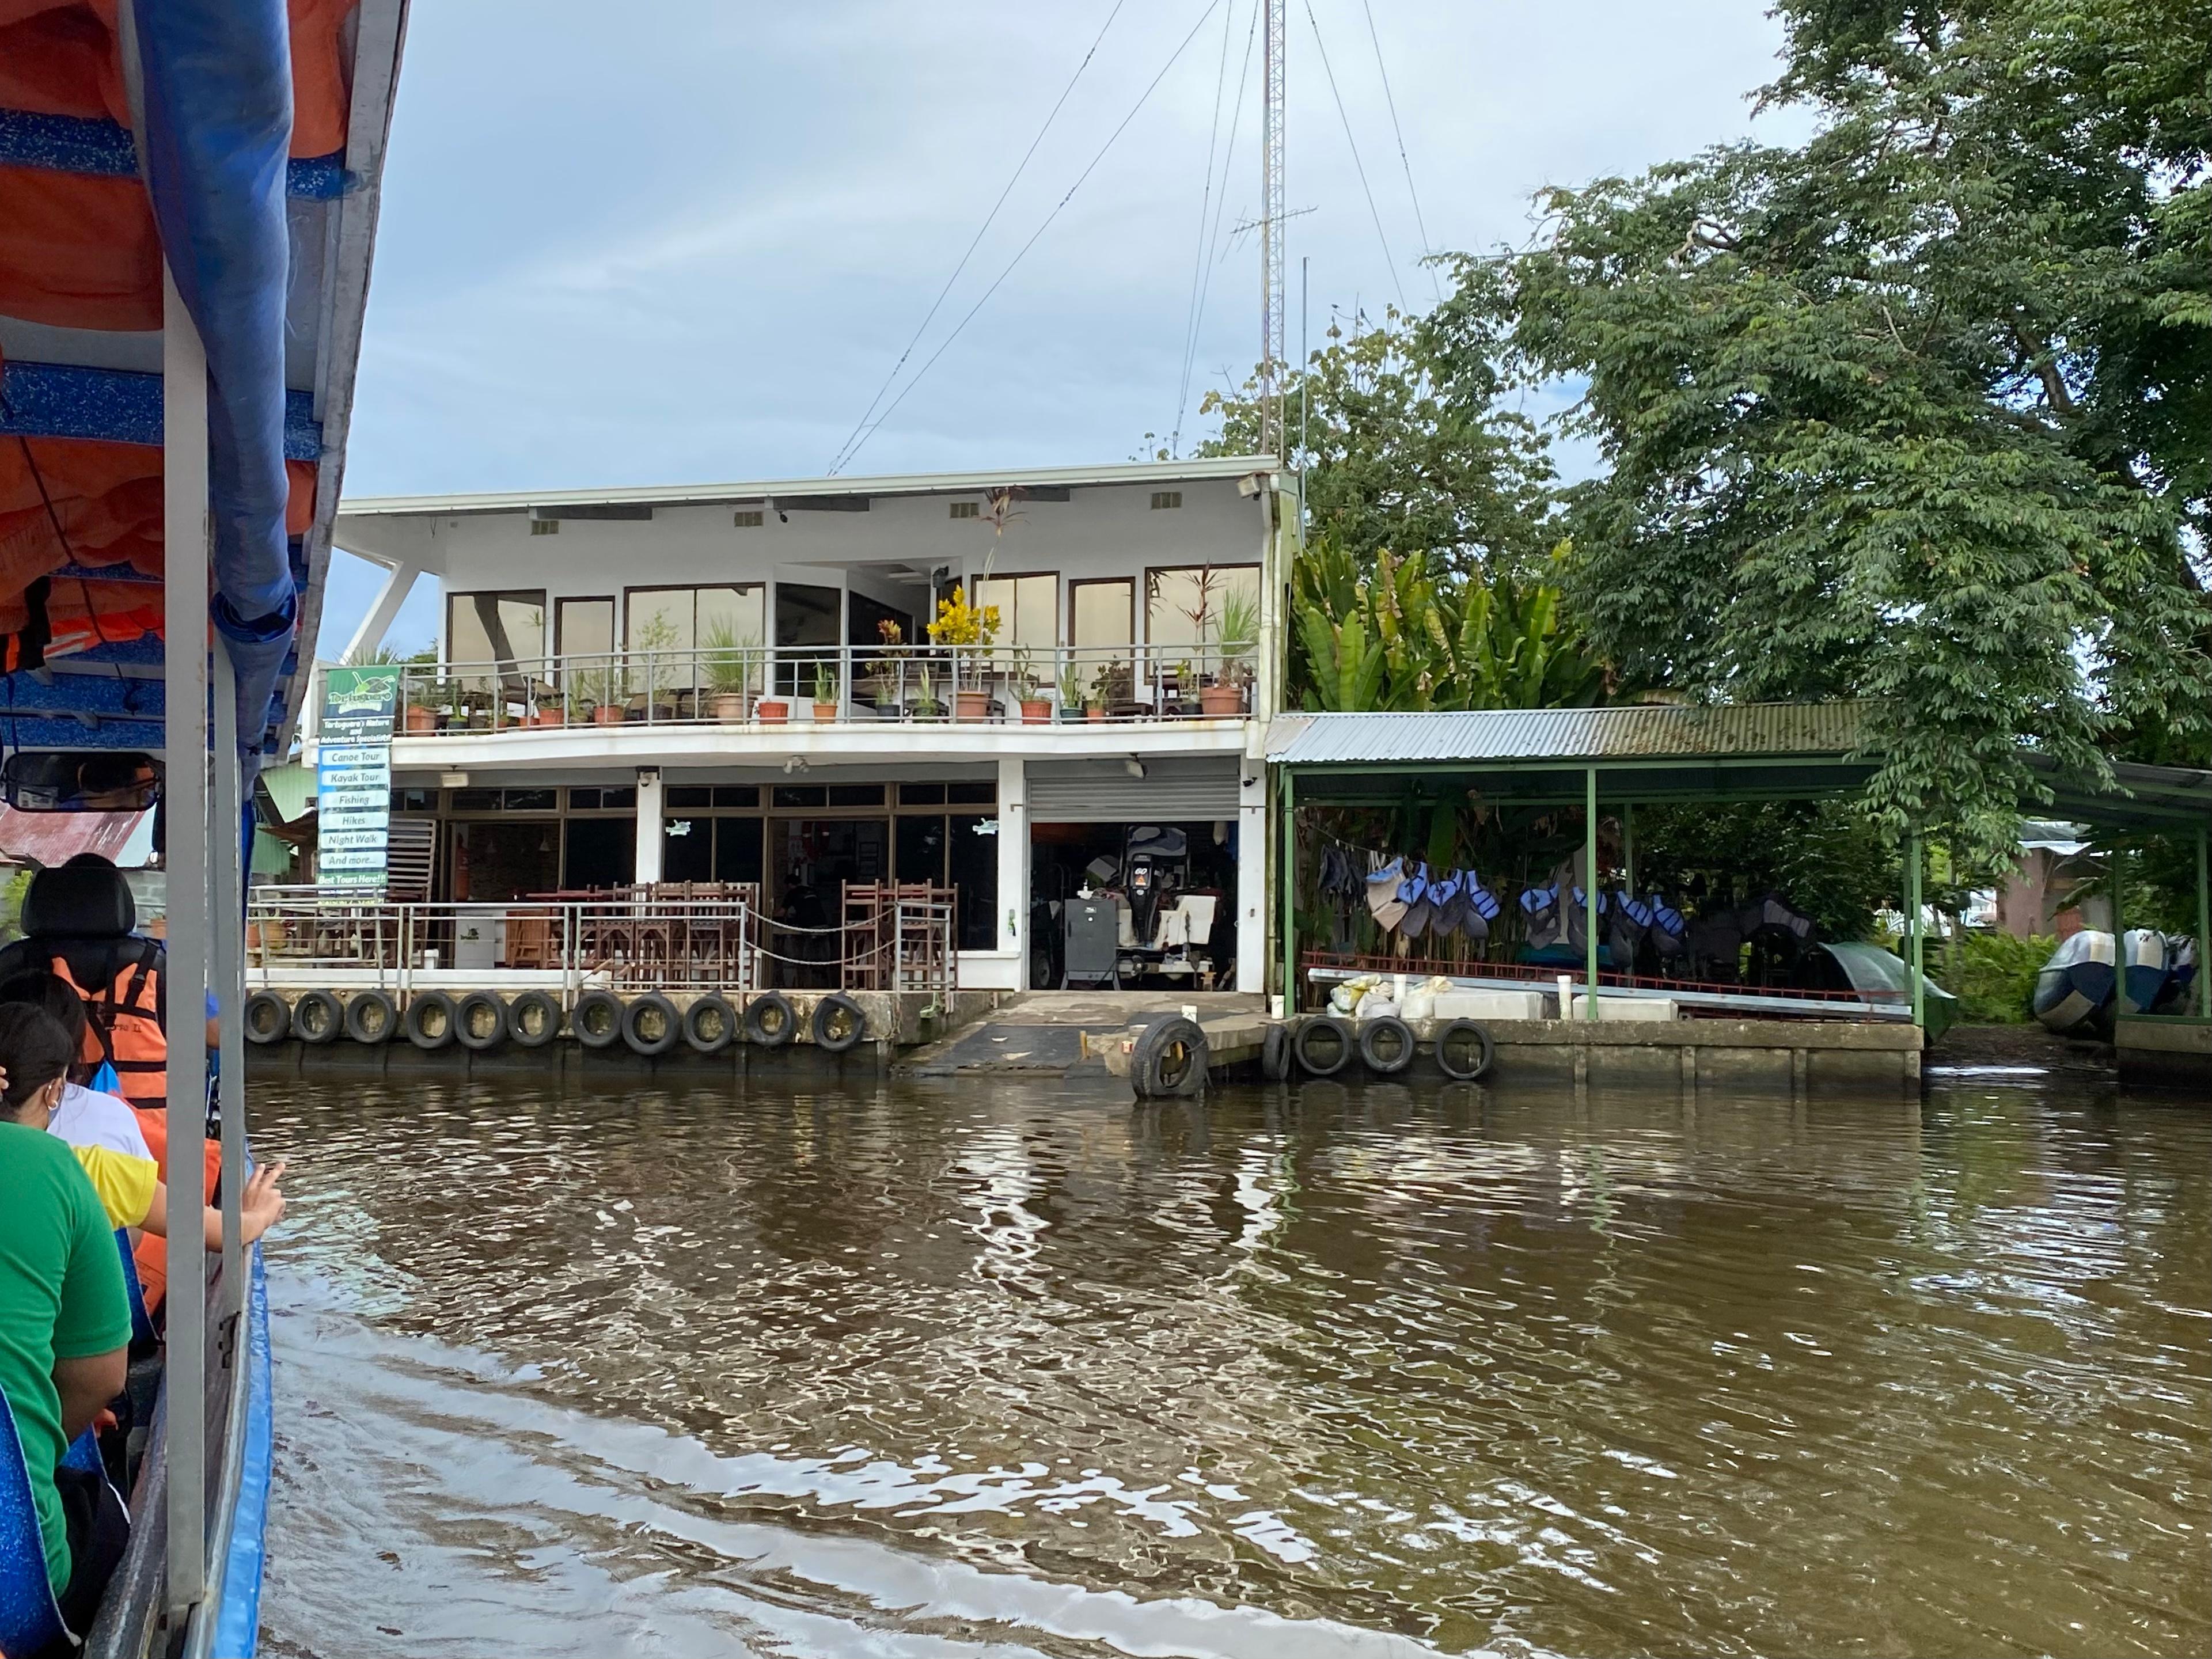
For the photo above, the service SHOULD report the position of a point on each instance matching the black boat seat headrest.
(79, 902)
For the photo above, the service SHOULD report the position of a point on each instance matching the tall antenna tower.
(1271, 234)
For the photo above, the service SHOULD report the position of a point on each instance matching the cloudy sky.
(687, 241)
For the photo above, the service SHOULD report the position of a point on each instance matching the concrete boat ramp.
(1060, 1033)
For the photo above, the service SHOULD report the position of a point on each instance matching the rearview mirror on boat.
(79, 781)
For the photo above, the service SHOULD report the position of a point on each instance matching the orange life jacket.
(152, 1254)
(123, 1026)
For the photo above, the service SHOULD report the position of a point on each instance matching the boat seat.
(84, 913)
(29, 1616)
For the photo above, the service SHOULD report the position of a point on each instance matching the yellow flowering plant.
(969, 628)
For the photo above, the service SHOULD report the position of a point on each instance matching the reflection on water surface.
(667, 1367)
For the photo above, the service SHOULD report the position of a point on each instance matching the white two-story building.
(737, 682)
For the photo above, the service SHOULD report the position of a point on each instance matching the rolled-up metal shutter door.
(1174, 789)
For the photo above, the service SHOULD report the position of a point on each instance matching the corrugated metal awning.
(1641, 732)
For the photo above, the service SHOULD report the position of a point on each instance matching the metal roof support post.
(184, 668)
(1912, 924)
(2203, 921)
(226, 954)
(2119, 863)
(1589, 890)
(1287, 874)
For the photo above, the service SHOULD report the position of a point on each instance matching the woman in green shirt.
(64, 1322)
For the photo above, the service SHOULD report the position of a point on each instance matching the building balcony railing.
(794, 684)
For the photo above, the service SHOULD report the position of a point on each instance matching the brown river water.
(687, 1365)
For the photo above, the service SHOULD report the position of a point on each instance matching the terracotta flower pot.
(1094, 712)
(727, 706)
(774, 711)
(824, 713)
(973, 705)
(607, 713)
(420, 720)
(550, 717)
(1036, 711)
(1216, 701)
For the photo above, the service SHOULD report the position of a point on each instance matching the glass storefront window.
(1102, 614)
(506, 628)
(1029, 609)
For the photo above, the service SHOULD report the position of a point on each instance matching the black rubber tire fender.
(1458, 1032)
(317, 1018)
(430, 1023)
(371, 1017)
(267, 1019)
(1275, 1053)
(1327, 1063)
(651, 1025)
(597, 1019)
(838, 1023)
(710, 1024)
(1386, 1045)
(533, 1019)
(770, 1020)
(1169, 1060)
(482, 1021)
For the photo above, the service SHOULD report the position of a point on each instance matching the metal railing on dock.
(663, 937)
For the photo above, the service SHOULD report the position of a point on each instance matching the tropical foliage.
(1380, 632)
(1915, 410)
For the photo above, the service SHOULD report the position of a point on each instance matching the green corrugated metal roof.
(271, 857)
(1638, 731)
(291, 789)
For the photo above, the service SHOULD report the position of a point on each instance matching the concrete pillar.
(1252, 878)
(1014, 865)
(647, 866)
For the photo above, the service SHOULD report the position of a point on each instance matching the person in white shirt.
(86, 1117)
(83, 1117)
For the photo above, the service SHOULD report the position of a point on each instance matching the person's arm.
(86, 1385)
(262, 1209)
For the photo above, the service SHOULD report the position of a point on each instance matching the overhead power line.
(844, 451)
(1419, 224)
(1143, 98)
(1359, 166)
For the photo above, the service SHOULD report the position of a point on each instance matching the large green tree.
(1919, 411)
(1409, 436)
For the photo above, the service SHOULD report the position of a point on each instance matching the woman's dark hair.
(53, 993)
(34, 1047)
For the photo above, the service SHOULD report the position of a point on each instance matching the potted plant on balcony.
(923, 702)
(1071, 693)
(550, 705)
(729, 666)
(1103, 687)
(1036, 708)
(653, 653)
(886, 674)
(825, 693)
(1239, 633)
(968, 631)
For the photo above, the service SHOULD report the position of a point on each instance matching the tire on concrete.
(1275, 1053)
(651, 1025)
(838, 1024)
(317, 1018)
(770, 1020)
(597, 1019)
(710, 1024)
(1464, 1051)
(429, 1023)
(482, 1021)
(1169, 1060)
(267, 1019)
(371, 1017)
(1386, 1045)
(1323, 1045)
(533, 1019)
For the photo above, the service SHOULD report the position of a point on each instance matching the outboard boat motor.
(2180, 974)
(1668, 935)
(1627, 920)
(2075, 983)
(1157, 863)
